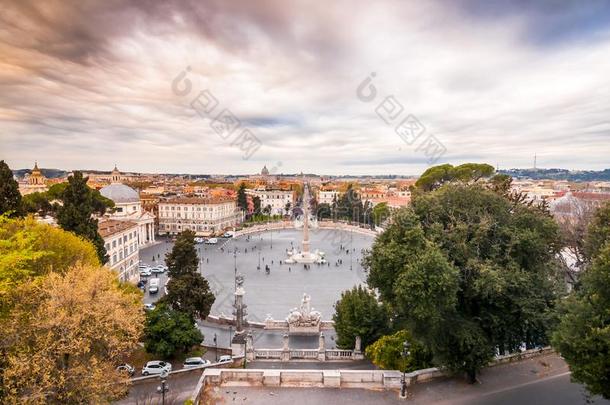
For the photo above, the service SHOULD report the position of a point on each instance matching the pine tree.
(10, 198)
(75, 214)
(242, 200)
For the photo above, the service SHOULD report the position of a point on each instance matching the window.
(114, 243)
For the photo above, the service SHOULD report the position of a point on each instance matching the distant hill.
(559, 174)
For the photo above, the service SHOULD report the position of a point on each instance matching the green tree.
(467, 271)
(358, 313)
(183, 257)
(242, 199)
(324, 211)
(598, 232)
(256, 200)
(37, 203)
(583, 336)
(169, 332)
(386, 353)
(76, 213)
(187, 290)
(381, 212)
(190, 293)
(436, 176)
(10, 198)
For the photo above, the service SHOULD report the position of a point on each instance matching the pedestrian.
(289, 269)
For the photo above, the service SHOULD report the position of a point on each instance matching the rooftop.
(111, 227)
(198, 200)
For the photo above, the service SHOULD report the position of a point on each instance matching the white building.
(276, 199)
(35, 182)
(129, 208)
(328, 196)
(121, 242)
(205, 216)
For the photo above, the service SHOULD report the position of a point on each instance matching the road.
(543, 380)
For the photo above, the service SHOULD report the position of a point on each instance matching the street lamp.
(259, 260)
(406, 352)
(216, 345)
(163, 388)
(235, 262)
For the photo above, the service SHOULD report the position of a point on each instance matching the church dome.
(120, 193)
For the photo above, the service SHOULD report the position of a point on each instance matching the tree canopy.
(187, 290)
(169, 332)
(436, 176)
(10, 198)
(469, 273)
(583, 335)
(76, 213)
(65, 335)
(358, 313)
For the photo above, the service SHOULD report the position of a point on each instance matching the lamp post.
(259, 260)
(163, 388)
(403, 381)
(216, 345)
(235, 263)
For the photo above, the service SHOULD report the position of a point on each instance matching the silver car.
(156, 367)
(193, 362)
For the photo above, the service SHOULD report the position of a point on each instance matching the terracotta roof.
(592, 196)
(111, 227)
(198, 200)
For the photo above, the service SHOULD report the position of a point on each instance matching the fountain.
(304, 320)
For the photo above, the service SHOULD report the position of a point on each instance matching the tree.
(324, 211)
(381, 212)
(287, 208)
(386, 353)
(187, 290)
(358, 313)
(598, 232)
(169, 332)
(583, 336)
(242, 200)
(467, 272)
(183, 258)
(66, 334)
(76, 213)
(466, 173)
(190, 293)
(31, 250)
(37, 203)
(10, 198)
(256, 200)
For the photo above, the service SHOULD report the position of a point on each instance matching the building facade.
(121, 242)
(328, 196)
(277, 200)
(204, 216)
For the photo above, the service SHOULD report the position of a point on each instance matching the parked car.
(158, 269)
(225, 359)
(211, 241)
(199, 240)
(149, 307)
(156, 367)
(228, 235)
(153, 287)
(141, 284)
(145, 272)
(193, 362)
(126, 368)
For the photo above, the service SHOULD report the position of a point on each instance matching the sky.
(341, 87)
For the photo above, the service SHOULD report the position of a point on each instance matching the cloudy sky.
(87, 84)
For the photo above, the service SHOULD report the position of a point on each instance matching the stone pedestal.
(271, 378)
(332, 378)
(285, 349)
(322, 348)
(357, 354)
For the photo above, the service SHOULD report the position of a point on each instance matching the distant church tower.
(115, 176)
(36, 177)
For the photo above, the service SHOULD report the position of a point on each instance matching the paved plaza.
(282, 288)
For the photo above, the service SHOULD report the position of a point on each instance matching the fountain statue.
(304, 320)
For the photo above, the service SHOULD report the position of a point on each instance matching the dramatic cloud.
(89, 84)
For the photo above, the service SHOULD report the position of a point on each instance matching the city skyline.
(91, 86)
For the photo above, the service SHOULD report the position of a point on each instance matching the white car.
(212, 241)
(225, 359)
(158, 269)
(156, 367)
(145, 272)
(193, 362)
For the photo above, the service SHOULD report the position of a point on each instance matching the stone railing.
(267, 353)
(304, 354)
(336, 354)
